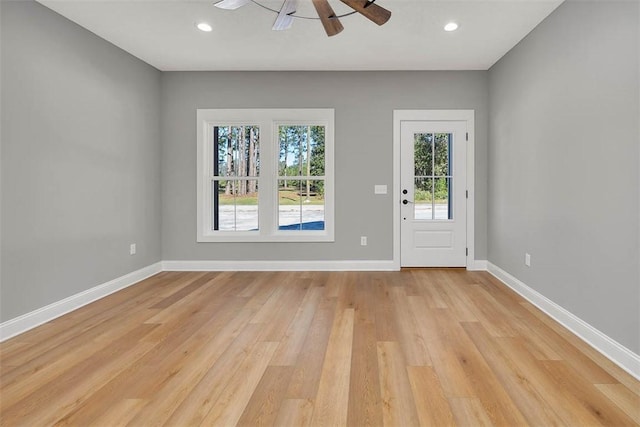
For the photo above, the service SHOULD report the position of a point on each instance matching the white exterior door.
(433, 188)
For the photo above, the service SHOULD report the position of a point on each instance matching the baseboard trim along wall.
(357, 265)
(616, 352)
(478, 265)
(30, 320)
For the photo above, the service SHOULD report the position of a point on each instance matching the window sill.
(253, 238)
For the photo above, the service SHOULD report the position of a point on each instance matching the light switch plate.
(380, 189)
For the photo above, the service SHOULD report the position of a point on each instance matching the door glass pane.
(442, 196)
(423, 154)
(235, 205)
(423, 199)
(441, 154)
(432, 176)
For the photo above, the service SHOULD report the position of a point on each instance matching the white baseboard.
(30, 320)
(616, 352)
(357, 265)
(478, 265)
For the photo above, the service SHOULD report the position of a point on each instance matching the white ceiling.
(163, 34)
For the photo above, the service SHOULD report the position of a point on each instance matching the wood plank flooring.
(432, 347)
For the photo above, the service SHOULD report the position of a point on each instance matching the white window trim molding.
(435, 115)
(268, 120)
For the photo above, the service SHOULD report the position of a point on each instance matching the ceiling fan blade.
(371, 11)
(284, 19)
(231, 4)
(328, 17)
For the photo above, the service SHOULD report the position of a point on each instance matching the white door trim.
(441, 115)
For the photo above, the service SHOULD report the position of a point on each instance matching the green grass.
(428, 202)
(285, 197)
(239, 200)
(291, 197)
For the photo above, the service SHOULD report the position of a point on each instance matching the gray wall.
(364, 104)
(80, 159)
(563, 164)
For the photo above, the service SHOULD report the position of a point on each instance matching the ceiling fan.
(330, 21)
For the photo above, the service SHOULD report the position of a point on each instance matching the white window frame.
(268, 121)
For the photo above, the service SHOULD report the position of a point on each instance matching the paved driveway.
(246, 217)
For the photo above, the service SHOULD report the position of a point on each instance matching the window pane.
(221, 153)
(313, 216)
(253, 151)
(236, 151)
(224, 218)
(443, 198)
(289, 203)
(235, 205)
(301, 206)
(442, 154)
(423, 154)
(316, 151)
(291, 142)
(312, 205)
(301, 150)
(423, 199)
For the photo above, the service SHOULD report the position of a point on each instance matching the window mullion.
(264, 176)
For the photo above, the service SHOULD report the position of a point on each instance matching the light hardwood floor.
(417, 347)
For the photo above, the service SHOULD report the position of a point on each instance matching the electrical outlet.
(363, 240)
(132, 249)
(527, 260)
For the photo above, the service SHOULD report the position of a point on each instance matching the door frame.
(468, 116)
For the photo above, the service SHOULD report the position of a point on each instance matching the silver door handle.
(405, 201)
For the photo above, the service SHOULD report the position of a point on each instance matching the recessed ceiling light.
(451, 26)
(203, 26)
